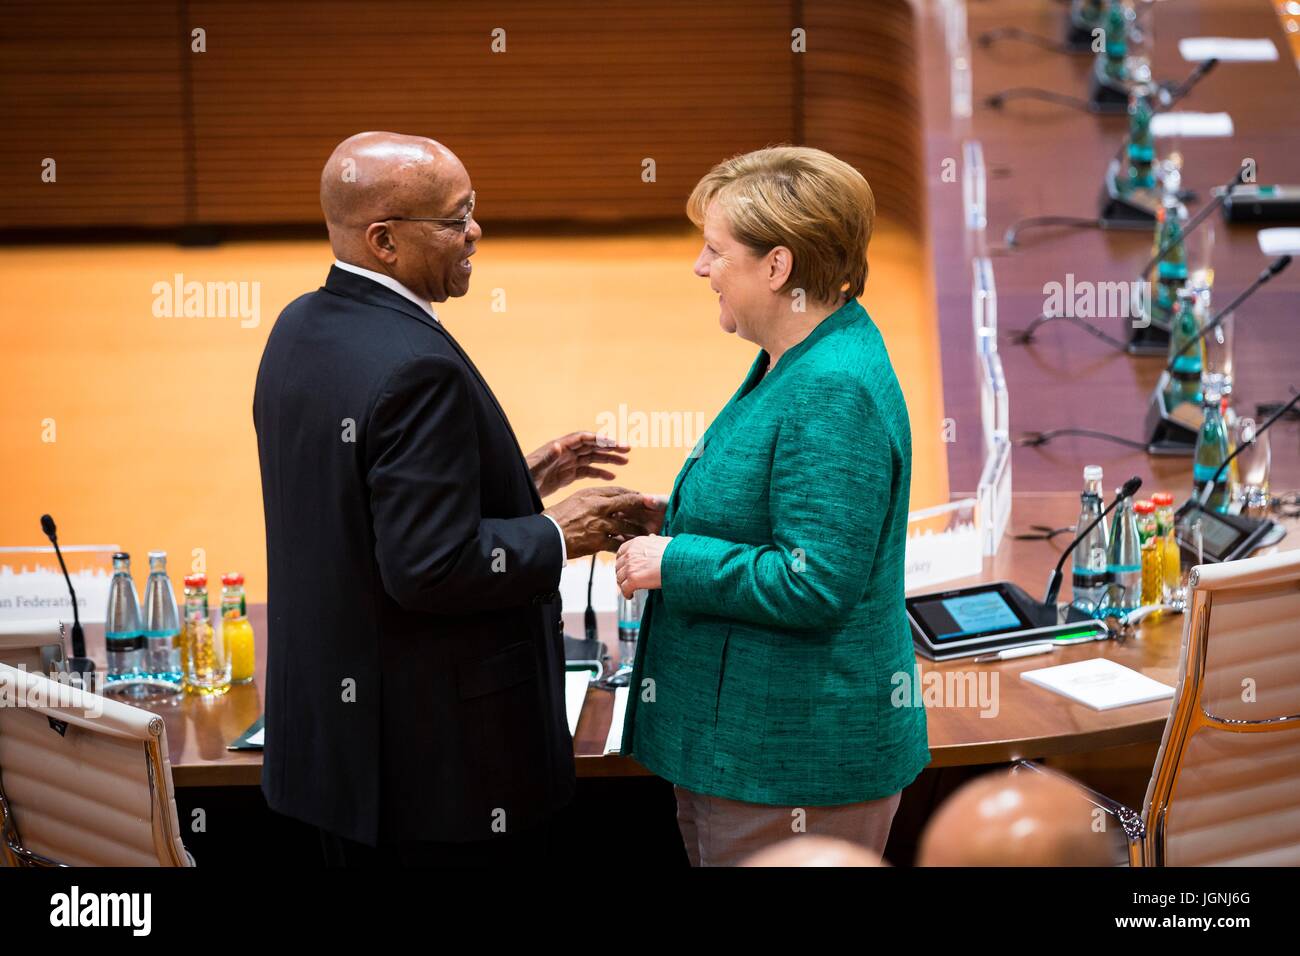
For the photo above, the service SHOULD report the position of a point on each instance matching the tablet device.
(991, 617)
(968, 612)
(1223, 537)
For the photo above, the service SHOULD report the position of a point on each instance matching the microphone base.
(1151, 340)
(581, 649)
(1105, 95)
(1078, 37)
(1045, 614)
(1171, 434)
(1258, 203)
(82, 673)
(1136, 205)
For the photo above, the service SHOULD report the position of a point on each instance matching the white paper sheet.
(614, 742)
(1280, 241)
(1099, 683)
(1191, 124)
(1227, 49)
(575, 692)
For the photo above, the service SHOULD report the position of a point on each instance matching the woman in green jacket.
(775, 633)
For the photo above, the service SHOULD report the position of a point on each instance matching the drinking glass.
(1249, 471)
(1218, 343)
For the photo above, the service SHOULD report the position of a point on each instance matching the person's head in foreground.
(810, 850)
(402, 206)
(785, 240)
(1020, 818)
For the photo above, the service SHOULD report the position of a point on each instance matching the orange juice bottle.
(238, 630)
(1172, 558)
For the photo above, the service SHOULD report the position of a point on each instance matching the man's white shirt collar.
(388, 282)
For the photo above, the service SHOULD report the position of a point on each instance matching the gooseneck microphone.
(1054, 582)
(1167, 98)
(1170, 94)
(1214, 479)
(78, 638)
(589, 616)
(1181, 90)
(1221, 196)
(1274, 267)
(1026, 335)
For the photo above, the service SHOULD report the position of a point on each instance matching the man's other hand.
(561, 462)
(601, 519)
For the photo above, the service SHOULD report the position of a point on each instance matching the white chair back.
(35, 645)
(84, 779)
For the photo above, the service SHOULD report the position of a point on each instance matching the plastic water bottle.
(1124, 560)
(123, 635)
(162, 627)
(1211, 450)
(1089, 576)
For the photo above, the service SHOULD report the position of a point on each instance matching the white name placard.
(32, 585)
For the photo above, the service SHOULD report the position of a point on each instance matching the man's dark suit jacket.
(415, 659)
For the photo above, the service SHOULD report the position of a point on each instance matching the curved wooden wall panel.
(556, 126)
(862, 97)
(147, 132)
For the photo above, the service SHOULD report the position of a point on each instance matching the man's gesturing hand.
(560, 463)
(600, 519)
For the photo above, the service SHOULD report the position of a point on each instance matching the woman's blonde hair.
(817, 206)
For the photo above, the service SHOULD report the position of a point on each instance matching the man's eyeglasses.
(461, 224)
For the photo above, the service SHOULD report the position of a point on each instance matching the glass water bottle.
(162, 626)
(1124, 560)
(123, 635)
(1088, 562)
(1211, 452)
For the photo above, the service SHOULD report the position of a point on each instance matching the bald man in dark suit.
(414, 700)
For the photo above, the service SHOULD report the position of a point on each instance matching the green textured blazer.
(767, 661)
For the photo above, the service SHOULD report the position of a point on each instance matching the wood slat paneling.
(98, 88)
(555, 127)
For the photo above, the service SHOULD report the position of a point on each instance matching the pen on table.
(1029, 650)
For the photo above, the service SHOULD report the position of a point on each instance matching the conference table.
(1024, 721)
(1041, 160)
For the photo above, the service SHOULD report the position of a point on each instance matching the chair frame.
(1147, 844)
(1130, 821)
